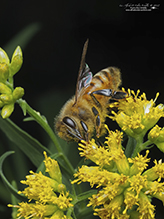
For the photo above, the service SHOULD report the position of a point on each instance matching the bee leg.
(75, 135)
(95, 100)
(103, 92)
(117, 95)
(98, 121)
(86, 131)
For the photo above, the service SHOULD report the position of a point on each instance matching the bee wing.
(84, 76)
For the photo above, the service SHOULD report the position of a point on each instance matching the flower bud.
(4, 89)
(61, 188)
(16, 61)
(6, 98)
(18, 93)
(3, 57)
(7, 110)
(4, 72)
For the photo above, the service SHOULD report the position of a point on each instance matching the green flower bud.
(4, 89)
(6, 98)
(18, 93)
(16, 61)
(7, 110)
(4, 72)
(4, 57)
(61, 188)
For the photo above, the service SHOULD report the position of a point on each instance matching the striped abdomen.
(108, 78)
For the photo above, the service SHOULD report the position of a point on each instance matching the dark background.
(132, 41)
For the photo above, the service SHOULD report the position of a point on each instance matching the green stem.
(130, 147)
(138, 147)
(80, 198)
(44, 124)
(11, 82)
(146, 144)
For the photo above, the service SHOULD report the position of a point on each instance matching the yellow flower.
(156, 172)
(139, 163)
(34, 210)
(156, 135)
(105, 156)
(52, 168)
(48, 195)
(137, 115)
(137, 183)
(130, 199)
(146, 209)
(99, 155)
(111, 210)
(124, 187)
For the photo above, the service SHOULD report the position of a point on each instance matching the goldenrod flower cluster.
(125, 185)
(47, 195)
(9, 95)
(136, 115)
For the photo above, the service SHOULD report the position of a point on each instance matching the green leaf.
(6, 182)
(86, 195)
(22, 38)
(29, 145)
(28, 119)
(23, 105)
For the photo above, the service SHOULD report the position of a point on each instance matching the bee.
(85, 113)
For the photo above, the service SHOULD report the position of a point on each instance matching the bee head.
(70, 124)
(68, 130)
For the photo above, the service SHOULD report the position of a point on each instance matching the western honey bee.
(85, 113)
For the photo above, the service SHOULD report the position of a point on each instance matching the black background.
(132, 41)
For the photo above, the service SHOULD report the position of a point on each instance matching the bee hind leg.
(103, 92)
(119, 95)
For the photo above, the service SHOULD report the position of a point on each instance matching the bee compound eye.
(69, 122)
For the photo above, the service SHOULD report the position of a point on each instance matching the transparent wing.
(84, 76)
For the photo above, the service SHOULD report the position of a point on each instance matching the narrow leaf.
(86, 195)
(6, 182)
(29, 145)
